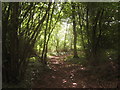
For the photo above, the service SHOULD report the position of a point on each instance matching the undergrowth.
(34, 70)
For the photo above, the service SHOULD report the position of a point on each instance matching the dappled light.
(60, 45)
(74, 84)
(64, 81)
(53, 77)
(83, 68)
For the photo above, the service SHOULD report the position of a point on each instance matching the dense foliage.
(39, 29)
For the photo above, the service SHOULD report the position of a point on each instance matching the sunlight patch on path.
(64, 80)
(63, 74)
(74, 85)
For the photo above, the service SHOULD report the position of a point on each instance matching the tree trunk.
(74, 31)
(45, 44)
(65, 39)
(14, 42)
(81, 32)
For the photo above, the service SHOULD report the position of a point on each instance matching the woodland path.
(62, 75)
(65, 75)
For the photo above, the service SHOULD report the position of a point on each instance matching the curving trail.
(65, 75)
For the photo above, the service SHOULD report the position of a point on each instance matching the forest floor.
(63, 74)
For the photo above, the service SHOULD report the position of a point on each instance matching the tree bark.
(74, 31)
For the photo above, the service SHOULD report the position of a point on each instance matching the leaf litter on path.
(65, 75)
